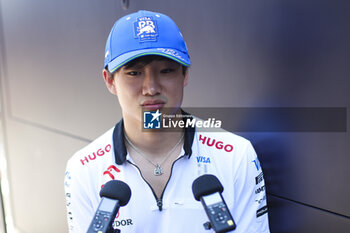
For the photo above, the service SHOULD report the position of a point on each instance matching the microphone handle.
(104, 216)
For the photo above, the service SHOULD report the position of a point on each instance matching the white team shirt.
(229, 157)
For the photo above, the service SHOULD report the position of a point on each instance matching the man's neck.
(154, 143)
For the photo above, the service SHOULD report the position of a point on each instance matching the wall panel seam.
(311, 206)
(47, 128)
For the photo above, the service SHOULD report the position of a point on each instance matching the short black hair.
(144, 60)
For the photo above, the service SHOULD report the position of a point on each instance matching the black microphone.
(114, 193)
(207, 189)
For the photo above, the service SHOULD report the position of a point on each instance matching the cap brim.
(173, 54)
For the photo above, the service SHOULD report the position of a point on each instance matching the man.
(146, 67)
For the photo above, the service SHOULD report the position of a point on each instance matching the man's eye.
(133, 73)
(168, 70)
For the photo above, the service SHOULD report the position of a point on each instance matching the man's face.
(156, 85)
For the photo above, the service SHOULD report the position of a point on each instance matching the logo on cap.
(146, 29)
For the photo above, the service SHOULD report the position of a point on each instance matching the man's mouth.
(151, 105)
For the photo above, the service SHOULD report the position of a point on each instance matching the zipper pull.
(160, 204)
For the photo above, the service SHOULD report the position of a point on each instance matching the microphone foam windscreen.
(205, 185)
(118, 190)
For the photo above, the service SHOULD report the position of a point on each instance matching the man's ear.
(109, 80)
(186, 78)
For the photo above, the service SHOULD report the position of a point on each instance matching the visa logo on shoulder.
(203, 159)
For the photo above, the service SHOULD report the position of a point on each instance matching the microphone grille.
(205, 185)
(117, 190)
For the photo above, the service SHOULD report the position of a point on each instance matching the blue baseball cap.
(144, 33)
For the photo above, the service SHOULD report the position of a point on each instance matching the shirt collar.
(120, 151)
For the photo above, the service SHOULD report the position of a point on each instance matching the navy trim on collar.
(120, 149)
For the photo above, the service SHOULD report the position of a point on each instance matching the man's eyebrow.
(135, 66)
(170, 63)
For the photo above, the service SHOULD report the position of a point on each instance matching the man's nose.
(151, 85)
